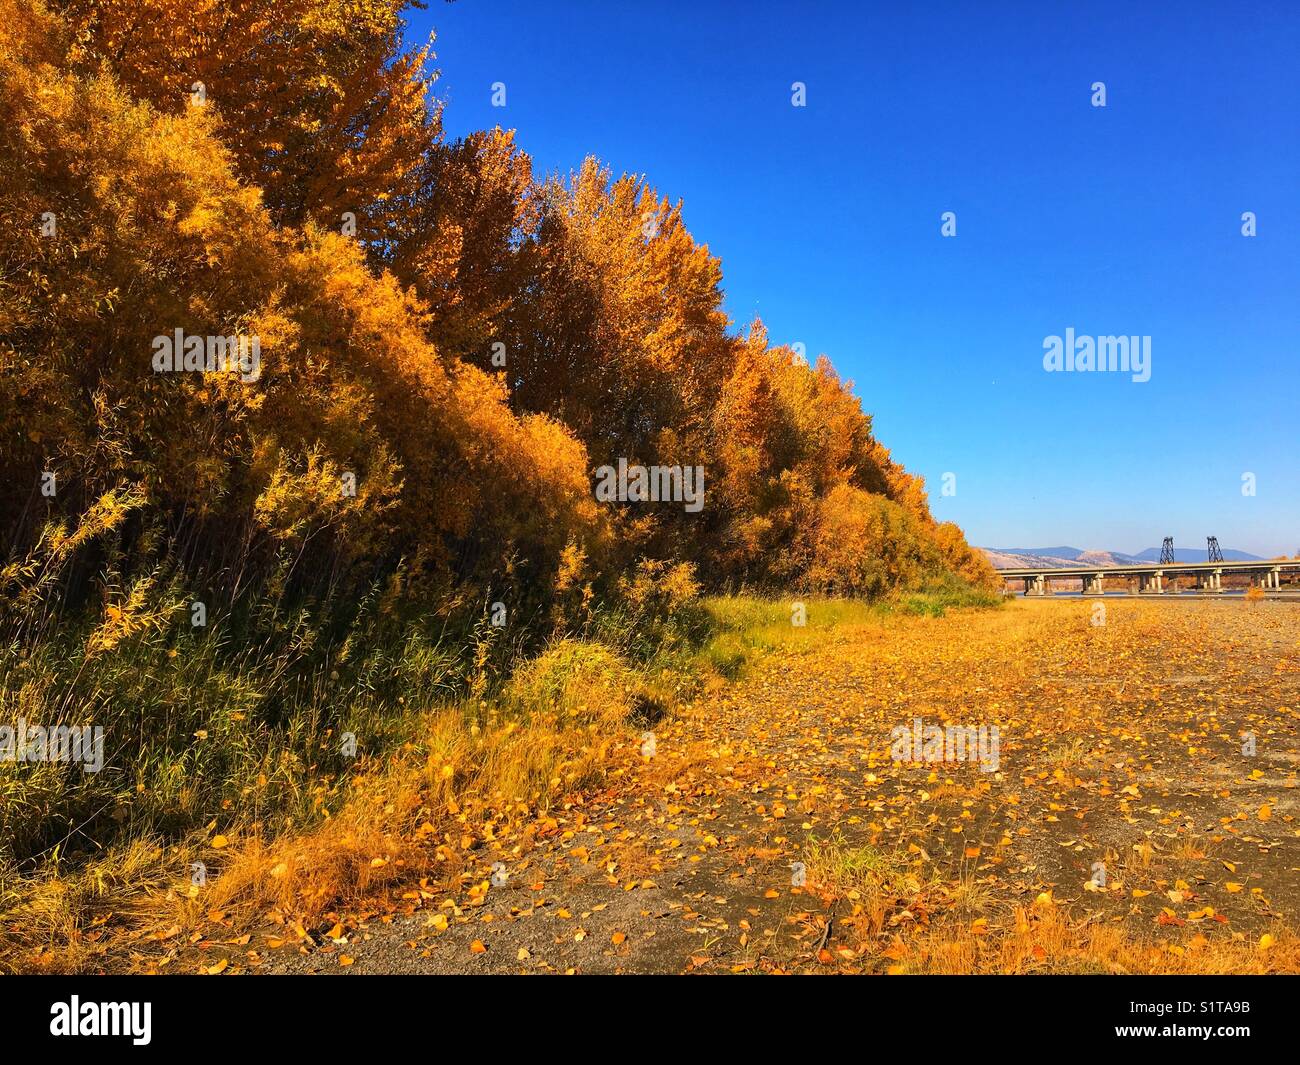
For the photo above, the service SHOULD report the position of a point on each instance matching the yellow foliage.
(378, 425)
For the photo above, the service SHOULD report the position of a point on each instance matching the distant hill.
(1059, 557)
(1106, 558)
(1070, 553)
(1024, 559)
(1054, 557)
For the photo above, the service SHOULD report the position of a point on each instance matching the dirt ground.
(1125, 796)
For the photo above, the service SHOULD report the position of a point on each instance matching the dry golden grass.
(55, 923)
(1043, 939)
(454, 783)
(413, 818)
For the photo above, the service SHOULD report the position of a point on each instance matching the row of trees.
(461, 338)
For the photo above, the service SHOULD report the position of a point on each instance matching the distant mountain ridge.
(1060, 557)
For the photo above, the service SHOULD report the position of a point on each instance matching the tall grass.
(743, 627)
(245, 714)
(271, 721)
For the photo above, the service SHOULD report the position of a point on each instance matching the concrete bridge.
(1267, 574)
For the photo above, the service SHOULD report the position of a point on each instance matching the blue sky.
(1117, 220)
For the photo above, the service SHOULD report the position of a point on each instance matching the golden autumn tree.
(967, 562)
(468, 355)
(623, 335)
(805, 492)
(462, 242)
(322, 104)
(865, 544)
(152, 231)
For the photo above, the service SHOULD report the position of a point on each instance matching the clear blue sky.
(1117, 220)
